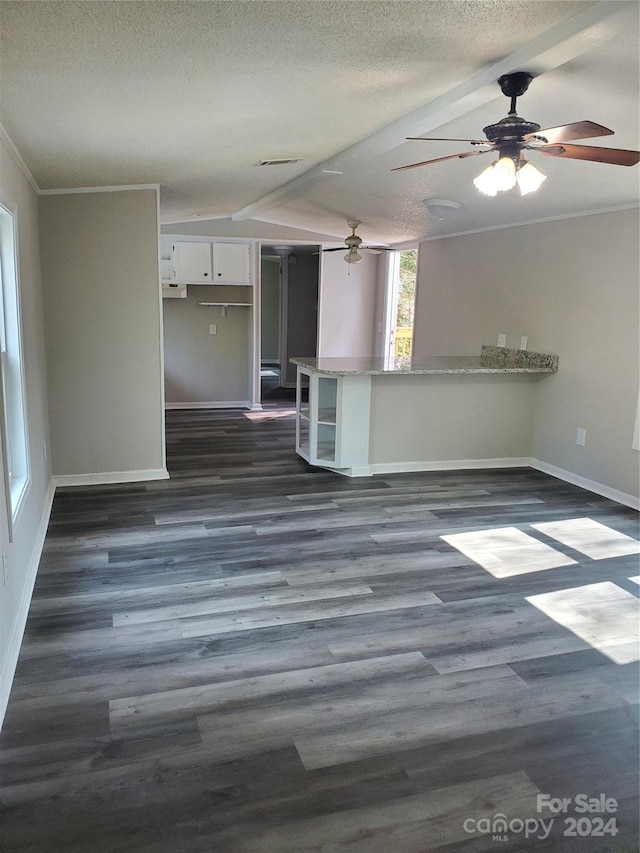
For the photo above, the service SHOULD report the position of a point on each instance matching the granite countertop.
(491, 360)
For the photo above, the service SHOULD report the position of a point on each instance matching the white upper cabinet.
(206, 262)
(231, 263)
(191, 262)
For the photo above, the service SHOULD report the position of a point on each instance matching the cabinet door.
(192, 263)
(231, 263)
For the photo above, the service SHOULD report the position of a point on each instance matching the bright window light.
(507, 551)
(590, 537)
(13, 415)
(602, 614)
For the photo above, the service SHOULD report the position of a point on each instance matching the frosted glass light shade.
(504, 174)
(498, 177)
(485, 183)
(352, 257)
(529, 178)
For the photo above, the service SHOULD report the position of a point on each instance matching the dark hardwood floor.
(259, 656)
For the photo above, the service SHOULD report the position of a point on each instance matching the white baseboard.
(447, 465)
(584, 483)
(227, 404)
(9, 659)
(105, 477)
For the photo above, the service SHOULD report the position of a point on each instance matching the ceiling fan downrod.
(513, 85)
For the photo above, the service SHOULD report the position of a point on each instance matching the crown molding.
(114, 189)
(559, 218)
(12, 149)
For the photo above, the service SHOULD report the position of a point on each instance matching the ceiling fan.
(512, 136)
(354, 245)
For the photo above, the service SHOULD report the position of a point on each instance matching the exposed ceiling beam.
(560, 44)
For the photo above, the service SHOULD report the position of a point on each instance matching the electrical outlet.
(213, 329)
(523, 342)
(502, 340)
(581, 436)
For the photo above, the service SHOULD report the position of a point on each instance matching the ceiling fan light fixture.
(504, 174)
(352, 257)
(529, 178)
(485, 182)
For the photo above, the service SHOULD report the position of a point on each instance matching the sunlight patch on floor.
(507, 551)
(591, 538)
(269, 415)
(601, 614)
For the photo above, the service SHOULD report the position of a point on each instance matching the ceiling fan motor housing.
(510, 129)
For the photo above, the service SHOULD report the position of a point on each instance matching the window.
(12, 415)
(400, 304)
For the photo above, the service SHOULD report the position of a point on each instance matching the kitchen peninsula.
(367, 416)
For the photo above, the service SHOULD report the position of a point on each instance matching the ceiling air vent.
(280, 161)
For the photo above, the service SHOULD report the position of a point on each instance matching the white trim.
(9, 661)
(208, 238)
(227, 404)
(584, 483)
(504, 462)
(114, 189)
(107, 477)
(171, 219)
(163, 437)
(26, 171)
(525, 222)
(449, 465)
(635, 438)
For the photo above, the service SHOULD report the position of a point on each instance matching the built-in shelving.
(332, 429)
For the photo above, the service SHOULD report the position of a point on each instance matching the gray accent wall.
(571, 287)
(270, 310)
(103, 334)
(201, 368)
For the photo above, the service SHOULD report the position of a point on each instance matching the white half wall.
(571, 287)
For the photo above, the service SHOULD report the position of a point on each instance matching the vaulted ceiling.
(193, 95)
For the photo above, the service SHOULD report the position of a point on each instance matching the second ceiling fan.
(354, 245)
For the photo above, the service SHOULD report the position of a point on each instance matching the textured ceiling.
(191, 95)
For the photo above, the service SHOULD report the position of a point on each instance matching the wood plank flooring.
(256, 656)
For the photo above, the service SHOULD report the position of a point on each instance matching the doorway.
(289, 315)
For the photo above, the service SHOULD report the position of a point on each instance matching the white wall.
(23, 553)
(347, 309)
(103, 334)
(571, 286)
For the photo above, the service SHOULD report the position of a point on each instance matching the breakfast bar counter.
(365, 416)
